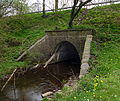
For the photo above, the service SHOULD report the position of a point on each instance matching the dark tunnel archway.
(66, 51)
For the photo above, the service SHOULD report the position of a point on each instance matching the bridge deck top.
(72, 32)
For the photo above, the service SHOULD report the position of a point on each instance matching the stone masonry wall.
(43, 48)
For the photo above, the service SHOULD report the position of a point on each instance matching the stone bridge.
(42, 50)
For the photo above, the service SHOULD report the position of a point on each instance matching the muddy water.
(33, 83)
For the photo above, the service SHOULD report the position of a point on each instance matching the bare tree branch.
(75, 9)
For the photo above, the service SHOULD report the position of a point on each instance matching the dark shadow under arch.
(66, 51)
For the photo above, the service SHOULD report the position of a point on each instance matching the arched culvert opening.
(66, 51)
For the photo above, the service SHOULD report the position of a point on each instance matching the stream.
(33, 83)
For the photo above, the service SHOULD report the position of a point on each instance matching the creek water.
(34, 82)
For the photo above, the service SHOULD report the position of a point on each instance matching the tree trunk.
(56, 5)
(43, 8)
(75, 10)
(72, 13)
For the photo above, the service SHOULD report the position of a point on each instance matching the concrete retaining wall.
(86, 56)
(43, 48)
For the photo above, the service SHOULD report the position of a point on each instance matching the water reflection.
(35, 82)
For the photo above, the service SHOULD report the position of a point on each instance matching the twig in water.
(49, 60)
(14, 89)
(8, 80)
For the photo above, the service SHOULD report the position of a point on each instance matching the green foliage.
(18, 33)
(21, 6)
(103, 82)
(9, 6)
(104, 18)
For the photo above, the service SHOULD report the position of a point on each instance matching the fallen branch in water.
(47, 94)
(15, 89)
(49, 60)
(8, 80)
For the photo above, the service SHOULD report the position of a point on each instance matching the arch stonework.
(43, 48)
(66, 51)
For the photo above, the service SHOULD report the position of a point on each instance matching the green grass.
(18, 33)
(106, 19)
(103, 81)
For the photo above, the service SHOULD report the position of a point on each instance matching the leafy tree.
(4, 5)
(20, 6)
(78, 4)
(11, 6)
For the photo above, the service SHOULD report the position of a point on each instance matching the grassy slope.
(19, 32)
(103, 81)
(25, 30)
